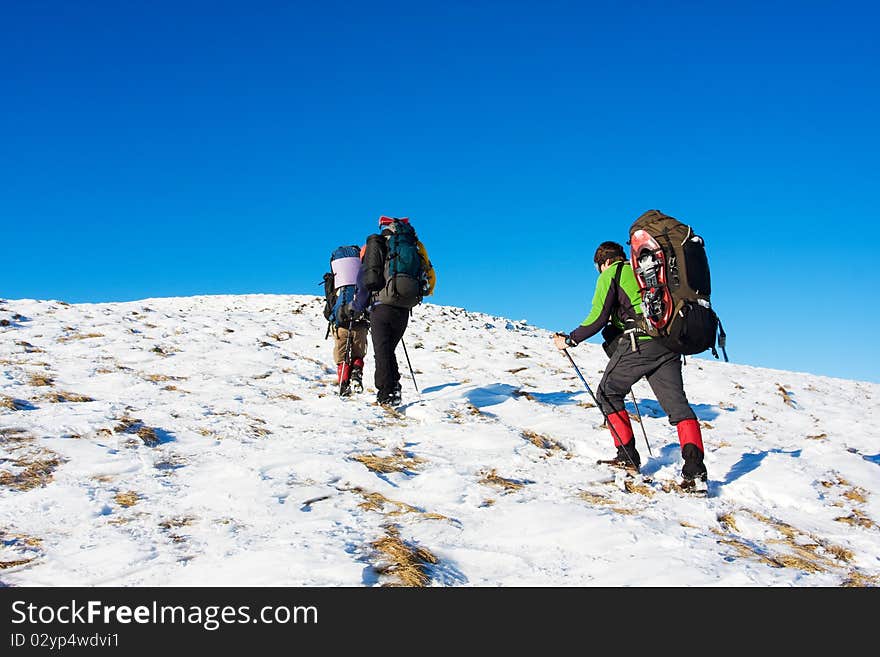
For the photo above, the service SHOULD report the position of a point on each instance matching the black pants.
(662, 369)
(387, 326)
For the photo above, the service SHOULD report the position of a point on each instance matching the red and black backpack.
(672, 270)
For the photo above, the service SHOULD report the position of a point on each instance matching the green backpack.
(401, 282)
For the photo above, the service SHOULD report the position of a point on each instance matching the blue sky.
(179, 148)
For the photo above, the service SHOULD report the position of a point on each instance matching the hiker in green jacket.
(615, 311)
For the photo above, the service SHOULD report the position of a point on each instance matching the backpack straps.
(632, 331)
(620, 264)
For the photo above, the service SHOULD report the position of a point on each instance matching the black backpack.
(672, 269)
(340, 284)
(393, 267)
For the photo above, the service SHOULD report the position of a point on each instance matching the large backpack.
(393, 267)
(672, 270)
(340, 284)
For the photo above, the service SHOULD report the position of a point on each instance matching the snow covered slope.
(199, 441)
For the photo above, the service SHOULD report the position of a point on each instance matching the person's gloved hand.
(562, 341)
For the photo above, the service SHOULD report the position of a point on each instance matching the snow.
(215, 452)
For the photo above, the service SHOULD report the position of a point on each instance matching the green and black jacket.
(617, 301)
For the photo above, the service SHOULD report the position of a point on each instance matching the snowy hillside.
(198, 441)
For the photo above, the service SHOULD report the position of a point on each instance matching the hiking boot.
(357, 378)
(627, 457)
(389, 398)
(345, 389)
(693, 469)
(694, 483)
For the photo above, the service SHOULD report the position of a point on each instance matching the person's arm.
(600, 311)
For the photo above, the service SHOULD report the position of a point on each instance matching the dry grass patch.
(801, 550)
(148, 435)
(289, 396)
(597, 499)
(27, 548)
(856, 494)
(259, 432)
(29, 348)
(126, 499)
(15, 438)
(161, 378)
(130, 425)
(492, 478)
(818, 436)
(517, 369)
(39, 380)
(60, 397)
(840, 553)
(37, 470)
(853, 494)
(22, 540)
(542, 441)
(728, 521)
(398, 461)
(633, 486)
(857, 519)
(177, 522)
(13, 404)
(164, 351)
(408, 564)
(859, 580)
(786, 396)
(17, 562)
(377, 502)
(461, 415)
(746, 550)
(79, 336)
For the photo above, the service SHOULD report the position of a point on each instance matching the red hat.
(387, 221)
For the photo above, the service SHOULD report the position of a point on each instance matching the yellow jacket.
(430, 274)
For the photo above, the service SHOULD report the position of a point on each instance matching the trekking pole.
(642, 424)
(599, 406)
(410, 368)
(349, 344)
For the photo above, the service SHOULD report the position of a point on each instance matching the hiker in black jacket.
(395, 274)
(615, 311)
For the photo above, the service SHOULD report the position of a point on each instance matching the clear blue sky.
(179, 148)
